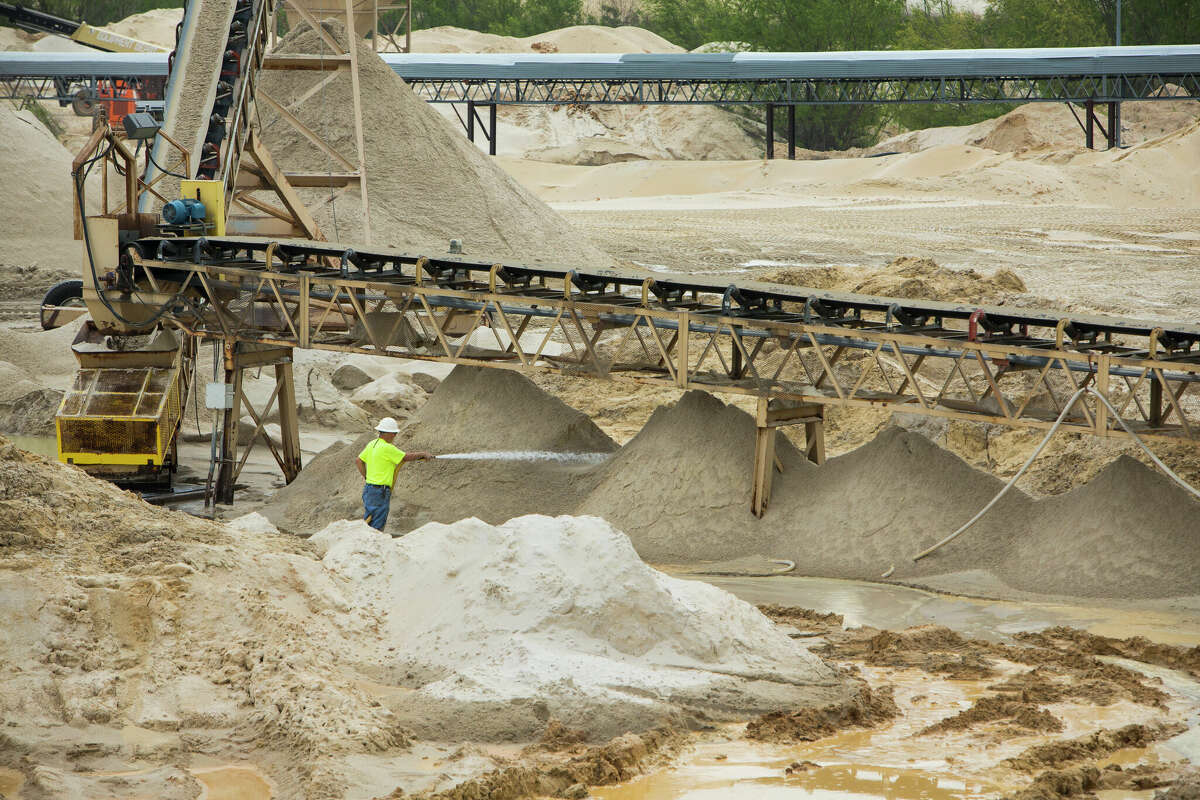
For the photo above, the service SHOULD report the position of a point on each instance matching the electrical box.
(218, 396)
(140, 125)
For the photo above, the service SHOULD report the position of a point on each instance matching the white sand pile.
(594, 135)
(156, 26)
(37, 247)
(122, 617)
(136, 637)
(572, 39)
(503, 625)
(427, 183)
(1034, 128)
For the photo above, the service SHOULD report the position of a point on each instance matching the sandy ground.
(157, 655)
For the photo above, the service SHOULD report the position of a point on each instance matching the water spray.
(526, 455)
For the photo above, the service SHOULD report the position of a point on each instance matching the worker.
(379, 464)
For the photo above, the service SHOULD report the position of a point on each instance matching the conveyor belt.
(749, 299)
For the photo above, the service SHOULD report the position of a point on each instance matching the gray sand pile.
(1129, 532)
(426, 183)
(878, 505)
(477, 408)
(474, 409)
(680, 489)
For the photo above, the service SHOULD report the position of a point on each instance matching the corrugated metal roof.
(880, 65)
(53, 65)
(1050, 62)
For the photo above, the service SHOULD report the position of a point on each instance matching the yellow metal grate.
(119, 416)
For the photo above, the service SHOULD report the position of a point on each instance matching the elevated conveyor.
(995, 364)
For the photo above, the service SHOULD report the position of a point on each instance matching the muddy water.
(10, 784)
(233, 782)
(890, 762)
(740, 771)
(41, 445)
(895, 607)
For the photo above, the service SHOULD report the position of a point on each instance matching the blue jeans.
(377, 501)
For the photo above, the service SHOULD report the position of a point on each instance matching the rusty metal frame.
(981, 380)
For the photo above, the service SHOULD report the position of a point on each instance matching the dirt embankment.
(620, 760)
(867, 709)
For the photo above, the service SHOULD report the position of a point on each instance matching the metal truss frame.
(839, 352)
(840, 91)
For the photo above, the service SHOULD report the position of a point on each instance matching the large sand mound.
(572, 39)
(235, 642)
(1129, 532)
(681, 487)
(594, 135)
(36, 205)
(680, 490)
(427, 184)
(1160, 173)
(501, 625)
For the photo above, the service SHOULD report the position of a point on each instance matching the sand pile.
(889, 499)
(500, 626)
(594, 135)
(1129, 532)
(1035, 128)
(474, 409)
(427, 183)
(477, 408)
(680, 490)
(681, 487)
(156, 26)
(598, 135)
(908, 276)
(572, 39)
(37, 248)
(120, 617)
(35, 368)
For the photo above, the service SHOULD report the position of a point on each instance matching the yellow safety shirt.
(381, 459)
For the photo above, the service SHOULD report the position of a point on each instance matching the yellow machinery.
(121, 415)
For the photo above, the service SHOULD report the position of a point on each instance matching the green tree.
(793, 25)
(503, 17)
(1152, 21)
(1043, 23)
(938, 25)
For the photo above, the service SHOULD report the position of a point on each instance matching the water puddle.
(745, 771)
(233, 782)
(11, 782)
(40, 445)
(895, 607)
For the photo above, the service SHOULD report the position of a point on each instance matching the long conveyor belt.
(997, 364)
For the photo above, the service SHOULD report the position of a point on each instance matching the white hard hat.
(387, 425)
